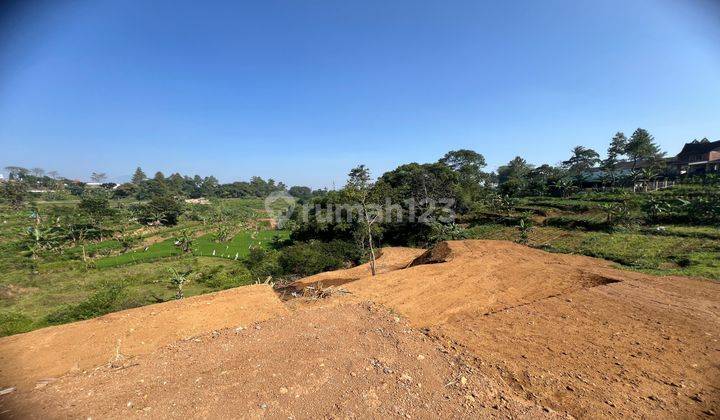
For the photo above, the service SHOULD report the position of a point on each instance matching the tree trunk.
(372, 252)
(370, 241)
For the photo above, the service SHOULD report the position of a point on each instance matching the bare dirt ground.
(390, 259)
(468, 329)
(296, 366)
(54, 351)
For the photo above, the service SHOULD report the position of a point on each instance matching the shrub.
(577, 223)
(524, 228)
(14, 193)
(162, 210)
(14, 323)
(305, 259)
(445, 232)
(263, 263)
(302, 259)
(220, 279)
(102, 302)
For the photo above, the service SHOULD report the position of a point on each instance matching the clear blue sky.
(302, 91)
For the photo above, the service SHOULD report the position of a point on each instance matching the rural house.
(697, 158)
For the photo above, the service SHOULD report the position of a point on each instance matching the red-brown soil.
(345, 361)
(390, 259)
(53, 351)
(533, 334)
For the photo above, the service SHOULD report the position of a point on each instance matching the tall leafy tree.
(209, 186)
(159, 176)
(615, 151)
(358, 189)
(139, 176)
(642, 147)
(513, 177)
(13, 192)
(98, 177)
(17, 173)
(468, 165)
(582, 159)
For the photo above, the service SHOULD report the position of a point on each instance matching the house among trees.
(696, 158)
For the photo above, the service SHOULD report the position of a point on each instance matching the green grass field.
(657, 249)
(60, 287)
(203, 246)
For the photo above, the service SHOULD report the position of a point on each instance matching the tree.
(159, 177)
(38, 172)
(642, 147)
(125, 190)
(581, 161)
(162, 210)
(468, 165)
(95, 205)
(14, 193)
(300, 192)
(139, 176)
(544, 180)
(98, 177)
(617, 148)
(209, 186)
(16, 173)
(54, 174)
(358, 188)
(513, 177)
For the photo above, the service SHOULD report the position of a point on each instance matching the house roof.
(699, 148)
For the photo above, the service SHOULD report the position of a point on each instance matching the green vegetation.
(78, 251)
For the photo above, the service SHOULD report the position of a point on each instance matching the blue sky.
(302, 91)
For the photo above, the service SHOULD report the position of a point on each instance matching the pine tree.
(642, 147)
(139, 176)
(618, 144)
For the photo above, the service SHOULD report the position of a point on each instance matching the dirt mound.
(53, 351)
(570, 332)
(646, 347)
(477, 278)
(533, 334)
(440, 253)
(348, 361)
(390, 259)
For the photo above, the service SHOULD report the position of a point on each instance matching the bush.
(102, 302)
(14, 193)
(220, 279)
(445, 232)
(302, 259)
(14, 323)
(162, 210)
(578, 223)
(95, 204)
(263, 263)
(694, 208)
(305, 259)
